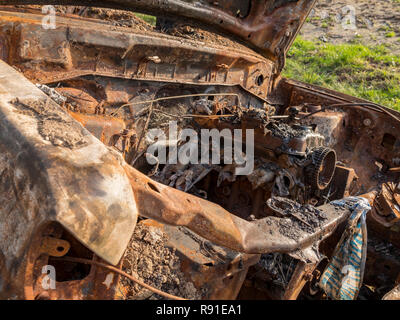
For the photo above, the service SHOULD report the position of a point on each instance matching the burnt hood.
(267, 26)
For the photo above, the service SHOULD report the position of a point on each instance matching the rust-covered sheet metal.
(76, 46)
(53, 169)
(104, 128)
(269, 26)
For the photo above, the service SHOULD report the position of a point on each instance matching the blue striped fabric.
(343, 276)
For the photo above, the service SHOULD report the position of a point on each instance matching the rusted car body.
(74, 179)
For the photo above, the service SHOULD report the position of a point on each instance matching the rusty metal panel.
(268, 26)
(130, 55)
(43, 146)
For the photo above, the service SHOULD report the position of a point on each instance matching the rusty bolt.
(367, 122)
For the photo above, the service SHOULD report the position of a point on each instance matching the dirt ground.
(375, 22)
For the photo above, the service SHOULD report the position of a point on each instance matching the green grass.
(372, 73)
(390, 34)
(149, 19)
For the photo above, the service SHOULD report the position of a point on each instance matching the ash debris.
(284, 131)
(297, 218)
(114, 17)
(54, 124)
(147, 258)
(256, 113)
(200, 34)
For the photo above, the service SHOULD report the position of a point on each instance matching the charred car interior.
(78, 193)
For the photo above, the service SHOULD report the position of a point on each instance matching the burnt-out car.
(84, 200)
